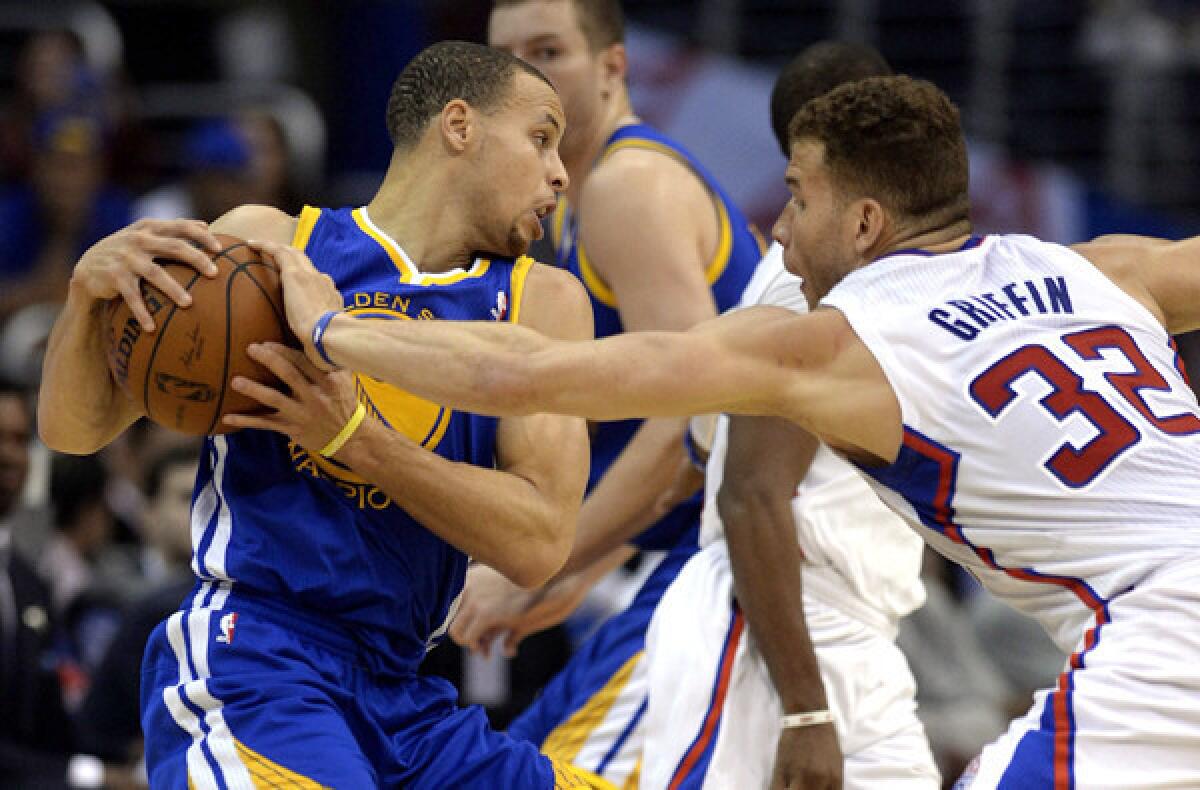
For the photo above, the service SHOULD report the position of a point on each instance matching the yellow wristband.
(347, 431)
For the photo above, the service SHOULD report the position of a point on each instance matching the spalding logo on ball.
(180, 372)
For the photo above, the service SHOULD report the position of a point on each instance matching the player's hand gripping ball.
(180, 372)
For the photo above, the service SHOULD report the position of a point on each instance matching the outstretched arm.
(1163, 275)
(727, 364)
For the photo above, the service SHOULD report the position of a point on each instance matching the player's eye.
(542, 139)
(546, 53)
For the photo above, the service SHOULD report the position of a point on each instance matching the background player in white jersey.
(860, 575)
(324, 577)
(1016, 401)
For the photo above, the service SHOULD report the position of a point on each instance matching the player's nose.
(557, 173)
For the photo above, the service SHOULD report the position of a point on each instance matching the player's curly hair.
(895, 139)
(602, 21)
(479, 75)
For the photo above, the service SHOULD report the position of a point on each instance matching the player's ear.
(870, 221)
(457, 124)
(613, 65)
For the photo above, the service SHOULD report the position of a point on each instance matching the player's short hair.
(895, 139)
(602, 21)
(481, 76)
(814, 72)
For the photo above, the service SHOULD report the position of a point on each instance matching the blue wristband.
(318, 333)
(693, 452)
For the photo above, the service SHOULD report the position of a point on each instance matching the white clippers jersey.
(851, 541)
(1051, 443)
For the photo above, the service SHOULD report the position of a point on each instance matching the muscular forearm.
(500, 369)
(80, 408)
(766, 570)
(624, 502)
(496, 517)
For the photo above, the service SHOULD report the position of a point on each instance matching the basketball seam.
(161, 333)
(239, 267)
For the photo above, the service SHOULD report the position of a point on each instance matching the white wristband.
(807, 719)
(85, 772)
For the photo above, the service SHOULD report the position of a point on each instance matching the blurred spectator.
(50, 76)
(962, 698)
(36, 739)
(109, 717)
(269, 156)
(218, 175)
(65, 207)
(83, 526)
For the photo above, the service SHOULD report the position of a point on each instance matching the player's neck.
(430, 229)
(947, 238)
(580, 162)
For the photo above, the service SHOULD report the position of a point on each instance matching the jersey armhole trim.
(304, 227)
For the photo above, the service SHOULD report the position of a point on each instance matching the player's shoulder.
(634, 176)
(554, 298)
(253, 221)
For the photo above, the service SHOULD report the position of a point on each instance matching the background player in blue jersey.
(326, 572)
(659, 245)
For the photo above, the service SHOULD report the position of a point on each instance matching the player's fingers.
(192, 229)
(127, 286)
(177, 249)
(159, 277)
(268, 355)
(271, 398)
(512, 640)
(259, 422)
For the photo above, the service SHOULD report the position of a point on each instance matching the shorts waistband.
(225, 596)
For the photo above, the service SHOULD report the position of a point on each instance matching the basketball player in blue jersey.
(331, 534)
(659, 245)
(1019, 403)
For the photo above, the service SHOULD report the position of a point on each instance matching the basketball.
(180, 372)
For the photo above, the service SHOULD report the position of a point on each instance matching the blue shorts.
(590, 714)
(243, 695)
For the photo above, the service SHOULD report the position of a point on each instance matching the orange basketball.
(180, 372)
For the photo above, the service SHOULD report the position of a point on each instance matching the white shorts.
(1128, 714)
(695, 631)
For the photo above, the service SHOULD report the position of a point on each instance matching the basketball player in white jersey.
(806, 511)
(1018, 402)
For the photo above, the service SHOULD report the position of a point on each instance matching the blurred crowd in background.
(115, 111)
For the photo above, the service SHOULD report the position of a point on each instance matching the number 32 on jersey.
(1078, 466)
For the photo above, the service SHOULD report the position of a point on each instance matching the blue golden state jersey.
(738, 251)
(281, 522)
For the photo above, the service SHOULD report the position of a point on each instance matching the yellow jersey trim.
(572, 777)
(716, 265)
(409, 273)
(393, 252)
(266, 773)
(520, 271)
(558, 222)
(304, 226)
(567, 739)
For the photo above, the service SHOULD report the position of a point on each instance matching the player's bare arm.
(1162, 275)
(755, 503)
(518, 518)
(811, 369)
(650, 227)
(80, 408)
